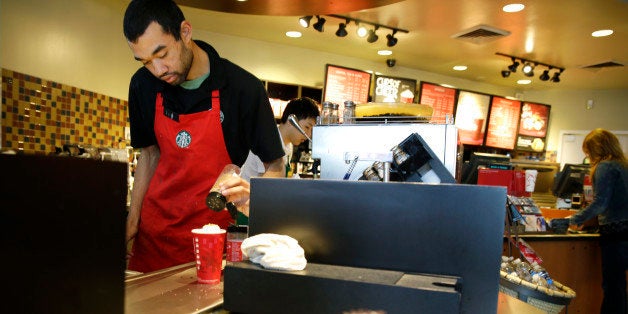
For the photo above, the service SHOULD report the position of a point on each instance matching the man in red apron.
(191, 113)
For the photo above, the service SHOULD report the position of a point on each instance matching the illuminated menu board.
(471, 114)
(533, 127)
(502, 123)
(442, 99)
(342, 84)
(394, 89)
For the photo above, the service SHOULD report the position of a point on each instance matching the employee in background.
(306, 112)
(191, 112)
(609, 170)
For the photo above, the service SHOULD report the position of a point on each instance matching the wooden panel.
(574, 262)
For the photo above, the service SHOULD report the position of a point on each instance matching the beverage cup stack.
(531, 179)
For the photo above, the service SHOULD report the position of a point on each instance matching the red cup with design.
(209, 244)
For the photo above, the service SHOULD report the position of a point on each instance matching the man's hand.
(238, 191)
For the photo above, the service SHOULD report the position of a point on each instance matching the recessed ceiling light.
(293, 34)
(384, 52)
(460, 67)
(513, 7)
(602, 33)
(524, 82)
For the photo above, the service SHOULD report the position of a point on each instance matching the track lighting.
(305, 20)
(391, 41)
(545, 75)
(320, 22)
(372, 36)
(513, 67)
(556, 77)
(528, 68)
(362, 30)
(342, 29)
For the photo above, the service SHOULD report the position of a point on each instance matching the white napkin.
(274, 251)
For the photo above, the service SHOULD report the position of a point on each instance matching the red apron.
(193, 153)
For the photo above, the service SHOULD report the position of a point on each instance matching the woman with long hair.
(609, 171)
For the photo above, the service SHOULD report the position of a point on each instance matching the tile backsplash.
(39, 115)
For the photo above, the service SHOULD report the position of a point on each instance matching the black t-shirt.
(249, 123)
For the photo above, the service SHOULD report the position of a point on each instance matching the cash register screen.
(570, 180)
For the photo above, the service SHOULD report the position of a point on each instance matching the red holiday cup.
(209, 244)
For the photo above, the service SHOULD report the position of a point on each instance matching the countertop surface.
(171, 290)
(175, 290)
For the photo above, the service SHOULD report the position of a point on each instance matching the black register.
(394, 247)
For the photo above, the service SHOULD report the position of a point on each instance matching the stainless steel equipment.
(338, 145)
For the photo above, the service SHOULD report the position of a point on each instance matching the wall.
(41, 115)
(80, 43)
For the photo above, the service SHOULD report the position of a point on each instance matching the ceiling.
(556, 32)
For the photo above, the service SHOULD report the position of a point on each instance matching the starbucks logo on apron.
(183, 139)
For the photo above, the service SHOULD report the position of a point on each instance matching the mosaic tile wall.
(39, 115)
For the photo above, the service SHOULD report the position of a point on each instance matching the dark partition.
(62, 221)
(445, 229)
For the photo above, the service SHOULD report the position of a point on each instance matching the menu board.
(471, 114)
(442, 99)
(502, 123)
(342, 84)
(394, 89)
(533, 127)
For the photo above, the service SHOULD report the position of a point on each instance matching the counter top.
(558, 236)
(171, 290)
(175, 290)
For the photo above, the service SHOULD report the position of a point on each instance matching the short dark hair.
(140, 13)
(302, 108)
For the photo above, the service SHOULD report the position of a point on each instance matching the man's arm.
(275, 168)
(146, 165)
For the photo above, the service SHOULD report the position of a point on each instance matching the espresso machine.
(350, 151)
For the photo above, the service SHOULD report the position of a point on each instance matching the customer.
(191, 112)
(609, 170)
(306, 112)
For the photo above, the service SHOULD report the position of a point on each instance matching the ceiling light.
(524, 82)
(305, 20)
(513, 7)
(372, 36)
(319, 24)
(391, 41)
(342, 29)
(460, 67)
(361, 31)
(293, 34)
(528, 69)
(602, 33)
(545, 75)
(384, 52)
(513, 67)
(556, 77)
(362, 27)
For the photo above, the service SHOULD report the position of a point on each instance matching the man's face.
(307, 125)
(168, 59)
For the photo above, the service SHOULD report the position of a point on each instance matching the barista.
(306, 112)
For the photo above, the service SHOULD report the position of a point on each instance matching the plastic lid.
(238, 229)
